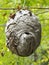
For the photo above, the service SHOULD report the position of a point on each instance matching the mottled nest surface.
(23, 33)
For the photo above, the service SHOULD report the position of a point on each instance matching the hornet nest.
(23, 33)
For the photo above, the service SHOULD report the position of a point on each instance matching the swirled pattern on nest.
(23, 33)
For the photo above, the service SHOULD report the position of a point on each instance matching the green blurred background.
(41, 55)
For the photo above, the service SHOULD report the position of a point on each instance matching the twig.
(22, 7)
(38, 7)
(44, 19)
(42, 12)
(8, 8)
(2, 25)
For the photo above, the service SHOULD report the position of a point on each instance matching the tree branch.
(2, 25)
(22, 8)
(42, 12)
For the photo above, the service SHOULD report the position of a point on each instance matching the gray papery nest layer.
(23, 33)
